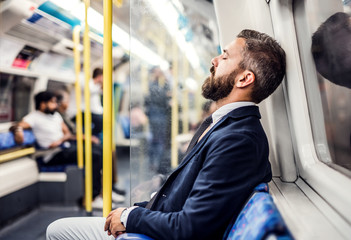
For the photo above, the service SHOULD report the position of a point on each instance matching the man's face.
(50, 107)
(99, 79)
(224, 72)
(216, 88)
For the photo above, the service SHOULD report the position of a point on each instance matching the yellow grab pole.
(87, 117)
(174, 133)
(185, 115)
(107, 104)
(79, 120)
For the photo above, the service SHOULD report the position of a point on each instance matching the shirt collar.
(222, 111)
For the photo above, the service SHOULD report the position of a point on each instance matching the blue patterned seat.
(258, 220)
(7, 140)
(133, 236)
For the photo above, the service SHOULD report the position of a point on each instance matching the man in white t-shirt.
(50, 131)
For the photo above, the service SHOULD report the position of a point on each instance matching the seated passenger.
(219, 173)
(50, 132)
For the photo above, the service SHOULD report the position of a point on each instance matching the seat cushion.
(258, 219)
(133, 236)
(17, 174)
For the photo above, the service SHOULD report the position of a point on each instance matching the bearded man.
(50, 132)
(225, 162)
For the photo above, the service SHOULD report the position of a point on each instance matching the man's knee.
(77, 228)
(54, 230)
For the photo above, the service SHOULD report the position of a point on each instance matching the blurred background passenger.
(158, 111)
(63, 100)
(51, 132)
(95, 86)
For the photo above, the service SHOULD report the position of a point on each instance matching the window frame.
(330, 184)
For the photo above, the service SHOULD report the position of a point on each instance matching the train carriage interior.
(159, 55)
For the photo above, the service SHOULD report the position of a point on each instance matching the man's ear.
(245, 79)
(42, 105)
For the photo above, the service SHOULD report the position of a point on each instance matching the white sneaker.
(98, 203)
(117, 198)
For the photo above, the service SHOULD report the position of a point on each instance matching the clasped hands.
(113, 224)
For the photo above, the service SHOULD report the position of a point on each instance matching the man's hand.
(95, 139)
(113, 224)
(17, 131)
(18, 134)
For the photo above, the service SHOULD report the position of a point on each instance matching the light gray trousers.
(78, 228)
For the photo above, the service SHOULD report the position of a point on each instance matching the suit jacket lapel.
(236, 113)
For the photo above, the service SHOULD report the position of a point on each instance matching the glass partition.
(171, 48)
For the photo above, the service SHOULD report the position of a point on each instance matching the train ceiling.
(195, 21)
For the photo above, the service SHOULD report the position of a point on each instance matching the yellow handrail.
(16, 154)
(87, 118)
(79, 120)
(107, 105)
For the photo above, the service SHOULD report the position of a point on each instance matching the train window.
(326, 65)
(56, 86)
(15, 91)
(171, 49)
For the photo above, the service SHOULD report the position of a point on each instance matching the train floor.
(32, 225)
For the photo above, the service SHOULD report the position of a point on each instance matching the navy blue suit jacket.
(211, 185)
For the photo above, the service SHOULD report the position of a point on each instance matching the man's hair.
(331, 49)
(263, 56)
(97, 72)
(45, 96)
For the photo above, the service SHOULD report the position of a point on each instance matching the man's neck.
(230, 99)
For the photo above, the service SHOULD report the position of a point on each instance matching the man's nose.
(215, 61)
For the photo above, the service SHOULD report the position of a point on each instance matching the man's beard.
(49, 111)
(216, 88)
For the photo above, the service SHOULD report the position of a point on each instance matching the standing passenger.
(95, 86)
(219, 173)
(158, 110)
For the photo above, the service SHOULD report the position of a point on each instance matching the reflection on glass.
(14, 94)
(165, 96)
(331, 50)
